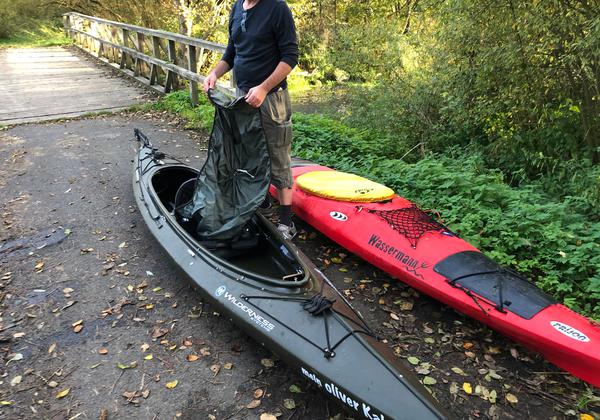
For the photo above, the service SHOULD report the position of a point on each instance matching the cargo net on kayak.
(411, 222)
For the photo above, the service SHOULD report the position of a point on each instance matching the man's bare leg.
(284, 195)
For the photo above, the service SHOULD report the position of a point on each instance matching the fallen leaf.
(18, 335)
(77, 323)
(295, 389)
(413, 360)
(123, 245)
(146, 393)
(429, 340)
(205, 351)
(258, 393)
(129, 366)
(494, 350)
(172, 384)
(51, 348)
(514, 353)
(394, 316)
(15, 357)
(52, 384)
(493, 396)
(148, 357)
(227, 366)
(467, 346)
(453, 388)
(458, 371)
(130, 395)
(512, 398)
(422, 370)
(157, 289)
(586, 417)
(289, 404)
(215, 369)
(428, 380)
(467, 388)
(192, 357)
(144, 347)
(158, 332)
(39, 266)
(78, 328)
(16, 380)
(267, 416)
(406, 305)
(103, 350)
(253, 404)
(10, 403)
(63, 393)
(267, 363)
(67, 290)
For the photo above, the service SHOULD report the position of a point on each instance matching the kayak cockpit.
(256, 252)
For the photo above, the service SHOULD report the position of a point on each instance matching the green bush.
(179, 102)
(29, 20)
(547, 240)
(366, 52)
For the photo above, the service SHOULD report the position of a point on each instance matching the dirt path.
(93, 312)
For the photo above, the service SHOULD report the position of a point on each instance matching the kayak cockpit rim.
(292, 280)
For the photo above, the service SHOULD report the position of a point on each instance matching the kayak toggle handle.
(328, 354)
(317, 304)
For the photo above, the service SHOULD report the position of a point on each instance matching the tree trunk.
(185, 16)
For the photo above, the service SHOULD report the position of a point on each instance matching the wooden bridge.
(50, 83)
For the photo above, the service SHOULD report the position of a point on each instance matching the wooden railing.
(160, 59)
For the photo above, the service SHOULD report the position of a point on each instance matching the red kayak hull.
(563, 337)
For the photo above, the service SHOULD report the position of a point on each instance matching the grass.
(44, 34)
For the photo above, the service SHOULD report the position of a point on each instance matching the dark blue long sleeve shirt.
(259, 39)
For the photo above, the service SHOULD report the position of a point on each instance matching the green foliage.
(44, 35)
(545, 239)
(179, 102)
(29, 21)
(365, 52)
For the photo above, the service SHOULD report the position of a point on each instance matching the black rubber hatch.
(473, 271)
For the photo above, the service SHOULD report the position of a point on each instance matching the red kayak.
(394, 235)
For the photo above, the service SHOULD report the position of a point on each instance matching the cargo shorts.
(276, 117)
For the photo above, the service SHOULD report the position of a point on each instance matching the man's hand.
(256, 96)
(210, 81)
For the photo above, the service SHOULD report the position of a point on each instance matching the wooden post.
(171, 83)
(154, 67)
(125, 33)
(193, 67)
(137, 69)
(67, 25)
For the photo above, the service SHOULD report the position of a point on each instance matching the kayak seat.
(342, 186)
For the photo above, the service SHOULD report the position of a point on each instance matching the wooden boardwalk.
(40, 84)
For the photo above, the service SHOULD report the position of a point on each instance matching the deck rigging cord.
(320, 305)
